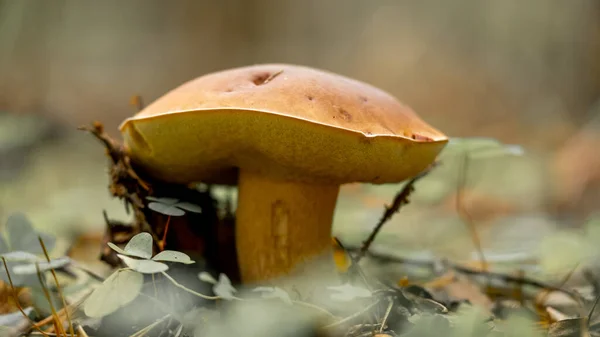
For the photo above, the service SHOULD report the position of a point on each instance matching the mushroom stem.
(281, 226)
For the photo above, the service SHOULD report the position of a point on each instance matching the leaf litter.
(453, 299)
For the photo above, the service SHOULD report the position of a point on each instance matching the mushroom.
(288, 136)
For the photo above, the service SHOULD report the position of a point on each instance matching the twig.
(16, 297)
(351, 317)
(61, 311)
(137, 102)
(147, 329)
(469, 271)
(593, 308)
(387, 314)
(81, 332)
(399, 200)
(314, 307)
(58, 287)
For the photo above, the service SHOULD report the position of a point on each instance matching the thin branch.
(469, 271)
(399, 200)
(81, 332)
(147, 329)
(351, 317)
(387, 314)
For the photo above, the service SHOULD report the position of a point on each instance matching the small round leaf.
(166, 209)
(188, 206)
(207, 277)
(224, 289)
(20, 256)
(144, 266)
(116, 248)
(274, 292)
(140, 246)
(117, 290)
(173, 256)
(166, 201)
(27, 269)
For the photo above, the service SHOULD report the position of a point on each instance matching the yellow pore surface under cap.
(285, 121)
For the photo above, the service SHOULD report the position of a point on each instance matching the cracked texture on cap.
(291, 122)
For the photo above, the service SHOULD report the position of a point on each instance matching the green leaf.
(166, 209)
(140, 246)
(207, 277)
(116, 291)
(188, 206)
(274, 292)
(173, 256)
(223, 288)
(348, 292)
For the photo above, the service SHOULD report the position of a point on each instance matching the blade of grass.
(56, 319)
(14, 293)
(58, 287)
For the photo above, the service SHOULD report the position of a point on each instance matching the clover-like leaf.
(173, 256)
(144, 266)
(188, 206)
(139, 246)
(3, 245)
(172, 206)
(14, 319)
(166, 201)
(166, 209)
(207, 277)
(28, 269)
(23, 237)
(18, 280)
(224, 289)
(20, 256)
(117, 290)
(274, 292)
(348, 292)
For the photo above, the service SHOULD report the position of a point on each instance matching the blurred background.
(525, 73)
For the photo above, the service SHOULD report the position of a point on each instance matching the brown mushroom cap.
(293, 122)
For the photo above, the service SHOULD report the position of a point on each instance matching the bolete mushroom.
(289, 136)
